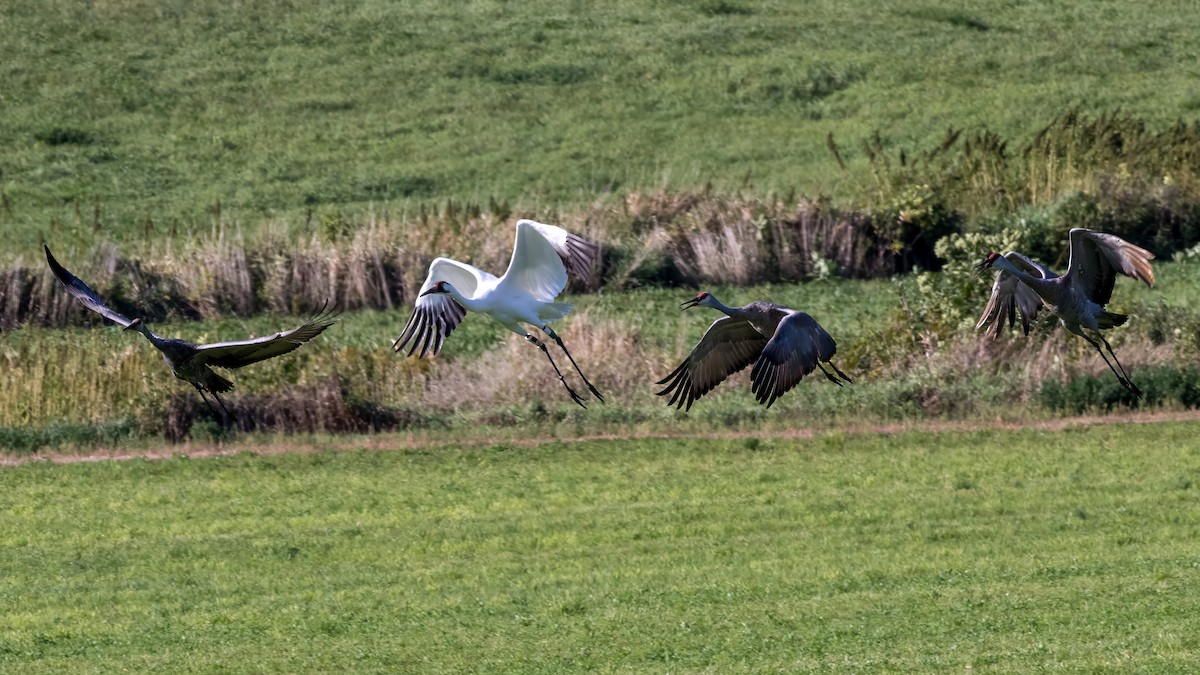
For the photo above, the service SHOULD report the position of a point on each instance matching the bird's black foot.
(830, 376)
(574, 395)
(595, 392)
(1137, 392)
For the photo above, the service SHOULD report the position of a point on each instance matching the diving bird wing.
(83, 293)
(543, 256)
(728, 346)
(793, 352)
(435, 316)
(1010, 296)
(244, 352)
(1097, 257)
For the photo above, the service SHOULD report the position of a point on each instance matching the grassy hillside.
(126, 115)
(1004, 551)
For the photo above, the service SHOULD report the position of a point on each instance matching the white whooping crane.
(1077, 297)
(542, 257)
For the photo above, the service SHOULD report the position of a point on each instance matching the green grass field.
(995, 550)
(124, 111)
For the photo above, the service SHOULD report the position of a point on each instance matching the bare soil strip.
(403, 442)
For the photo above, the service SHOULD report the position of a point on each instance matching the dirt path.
(401, 441)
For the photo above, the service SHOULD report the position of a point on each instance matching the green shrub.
(1161, 385)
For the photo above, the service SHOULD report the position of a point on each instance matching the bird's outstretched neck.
(472, 305)
(1019, 273)
(145, 330)
(716, 304)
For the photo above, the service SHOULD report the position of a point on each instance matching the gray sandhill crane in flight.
(191, 362)
(783, 344)
(542, 257)
(1077, 297)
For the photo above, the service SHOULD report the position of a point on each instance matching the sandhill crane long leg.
(228, 415)
(550, 331)
(1114, 355)
(204, 398)
(1121, 376)
(840, 373)
(542, 346)
(830, 376)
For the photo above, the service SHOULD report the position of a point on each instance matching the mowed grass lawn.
(994, 550)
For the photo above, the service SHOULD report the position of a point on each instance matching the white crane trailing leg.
(784, 345)
(1077, 297)
(542, 257)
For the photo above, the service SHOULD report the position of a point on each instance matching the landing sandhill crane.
(783, 344)
(1077, 297)
(191, 362)
(542, 257)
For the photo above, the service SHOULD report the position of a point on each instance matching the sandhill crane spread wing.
(1077, 297)
(240, 353)
(798, 347)
(1097, 257)
(543, 255)
(190, 362)
(783, 344)
(1009, 296)
(728, 346)
(436, 315)
(538, 250)
(83, 292)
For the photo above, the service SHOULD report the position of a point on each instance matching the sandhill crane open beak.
(689, 304)
(986, 264)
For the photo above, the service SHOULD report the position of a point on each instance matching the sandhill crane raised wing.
(1077, 297)
(784, 345)
(191, 362)
(542, 257)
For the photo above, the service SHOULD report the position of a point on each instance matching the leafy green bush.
(1161, 385)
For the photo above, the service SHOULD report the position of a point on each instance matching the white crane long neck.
(470, 304)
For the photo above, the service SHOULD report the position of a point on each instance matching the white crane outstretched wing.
(83, 293)
(543, 256)
(435, 316)
(1097, 257)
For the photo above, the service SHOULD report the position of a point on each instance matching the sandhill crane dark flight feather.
(1077, 297)
(192, 362)
(543, 255)
(784, 345)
